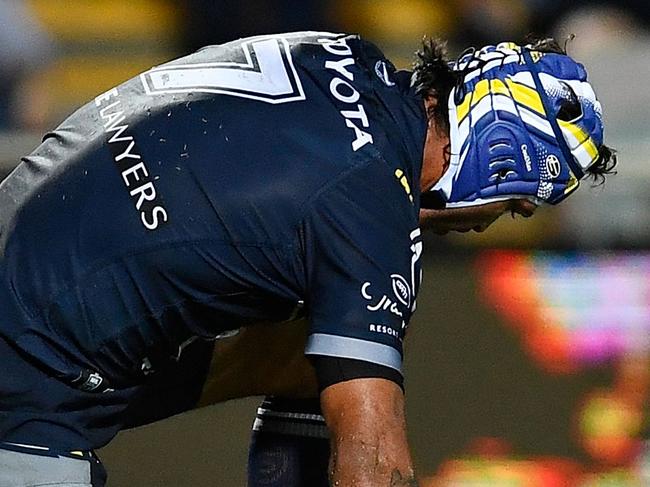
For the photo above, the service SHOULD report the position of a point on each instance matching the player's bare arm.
(365, 416)
(368, 434)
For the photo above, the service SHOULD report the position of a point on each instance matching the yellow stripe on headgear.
(572, 183)
(526, 96)
(522, 94)
(481, 90)
(582, 146)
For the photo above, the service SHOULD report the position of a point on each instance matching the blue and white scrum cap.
(523, 124)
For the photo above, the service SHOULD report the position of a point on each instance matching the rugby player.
(267, 179)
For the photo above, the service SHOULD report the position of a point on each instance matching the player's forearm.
(359, 464)
(368, 434)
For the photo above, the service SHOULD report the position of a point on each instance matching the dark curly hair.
(434, 78)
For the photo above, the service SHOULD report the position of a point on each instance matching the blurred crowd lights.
(501, 468)
(572, 312)
(541, 472)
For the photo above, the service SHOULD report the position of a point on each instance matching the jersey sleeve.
(362, 248)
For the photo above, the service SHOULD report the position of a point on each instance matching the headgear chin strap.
(523, 124)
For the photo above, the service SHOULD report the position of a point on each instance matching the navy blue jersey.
(251, 181)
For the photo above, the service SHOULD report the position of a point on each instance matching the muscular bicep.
(368, 433)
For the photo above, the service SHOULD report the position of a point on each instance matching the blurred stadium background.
(529, 359)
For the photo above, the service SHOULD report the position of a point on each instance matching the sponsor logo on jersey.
(404, 292)
(343, 90)
(401, 289)
(93, 382)
(381, 70)
(380, 304)
(384, 329)
(416, 270)
(134, 172)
